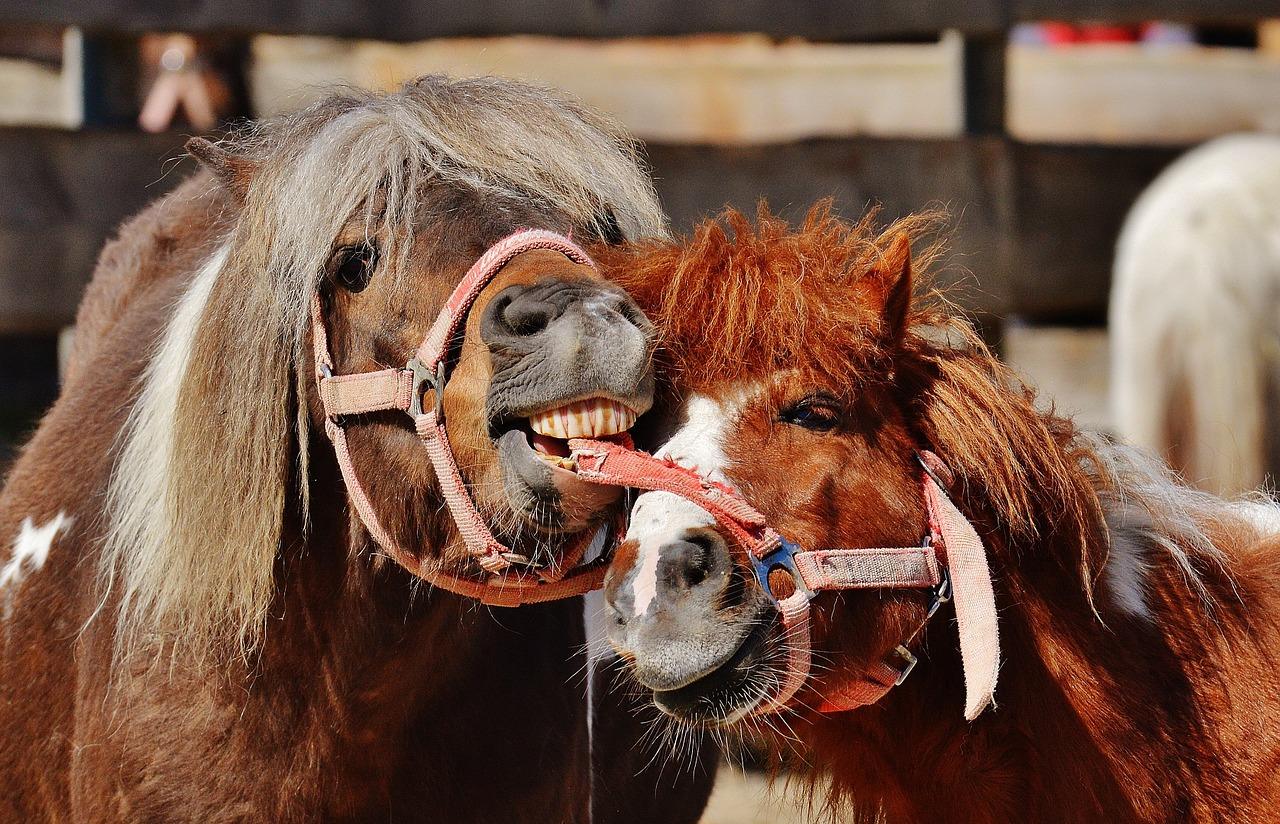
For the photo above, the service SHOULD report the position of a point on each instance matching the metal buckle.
(941, 594)
(424, 379)
(783, 557)
(928, 470)
(910, 661)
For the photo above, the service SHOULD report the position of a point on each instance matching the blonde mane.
(198, 497)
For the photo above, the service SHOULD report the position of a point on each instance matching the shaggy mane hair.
(197, 502)
(738, 302)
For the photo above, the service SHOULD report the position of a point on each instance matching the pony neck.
(1102, 715)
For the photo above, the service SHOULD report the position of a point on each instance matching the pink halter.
(405, 389)
(951, 562)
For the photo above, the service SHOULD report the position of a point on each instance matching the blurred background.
(1037, 124)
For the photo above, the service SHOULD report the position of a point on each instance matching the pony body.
(1136, 615)
(198, 627)
(1194, 301)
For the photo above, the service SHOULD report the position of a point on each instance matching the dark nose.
(683, 565)
(526, 311)
(683, 613)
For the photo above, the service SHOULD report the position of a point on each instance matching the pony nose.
(683, 565)
(677, 604)
(527, 314)
(528, 311)
(674, 578)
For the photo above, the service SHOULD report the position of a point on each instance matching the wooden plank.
(421, 19)
(1033, 226)
(1064, 216)
(65, 193)
(741, 89)
(33, 94)
(1243, 12)
(1070, 366)
(1122, 94)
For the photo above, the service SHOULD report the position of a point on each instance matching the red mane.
(741, 302)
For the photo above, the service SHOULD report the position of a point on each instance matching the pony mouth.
(541, 480)
(731, 691)
(551, 429)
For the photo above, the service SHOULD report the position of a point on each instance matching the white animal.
(1195, 315)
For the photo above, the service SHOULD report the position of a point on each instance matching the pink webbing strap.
(367, 392)
(475, 532)
(795, 611)
(605, 462)
(907, 567)
(838, 569)
(862, 691)
(974, 597)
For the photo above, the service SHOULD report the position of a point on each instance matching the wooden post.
(110, 79)
(984, 79)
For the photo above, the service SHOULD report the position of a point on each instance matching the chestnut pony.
(1137, 617)
(197, 626)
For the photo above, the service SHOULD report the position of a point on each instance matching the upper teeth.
(591, 418)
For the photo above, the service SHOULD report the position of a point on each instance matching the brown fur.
(270, 665)
(1103, 714)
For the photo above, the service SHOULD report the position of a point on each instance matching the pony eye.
(353, 266)
(814, 414)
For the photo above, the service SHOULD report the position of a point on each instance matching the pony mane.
(197, 502)
(737, 302)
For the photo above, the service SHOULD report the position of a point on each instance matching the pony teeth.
(591, 418)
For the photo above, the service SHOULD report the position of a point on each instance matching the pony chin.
(549, 497)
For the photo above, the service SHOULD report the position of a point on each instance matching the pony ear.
(889, 286)
(235, 171)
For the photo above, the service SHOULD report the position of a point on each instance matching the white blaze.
(31, 549)
(661, 517)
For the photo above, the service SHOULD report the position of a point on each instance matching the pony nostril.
(528, 317)
(698, 560)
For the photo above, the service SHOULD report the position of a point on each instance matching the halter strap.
(404, 390)
(951, 536)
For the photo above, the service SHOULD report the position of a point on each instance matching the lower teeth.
(556, 460)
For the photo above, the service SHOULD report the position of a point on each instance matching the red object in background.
(1056, 33)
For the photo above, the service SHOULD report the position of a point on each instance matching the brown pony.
(196, 625)
(1137, 617)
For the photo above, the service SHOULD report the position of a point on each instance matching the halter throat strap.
(405, 390)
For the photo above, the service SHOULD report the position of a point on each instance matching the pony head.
(378, 204)
(809, 382)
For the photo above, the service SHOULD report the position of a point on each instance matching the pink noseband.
(951, 562)
(508, 581)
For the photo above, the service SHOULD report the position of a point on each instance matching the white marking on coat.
(658, 518)
(31, 549)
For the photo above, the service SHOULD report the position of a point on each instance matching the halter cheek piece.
(951, 562)
(406, 390)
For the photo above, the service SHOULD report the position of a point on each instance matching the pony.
(1194, 338)
(1133, 618)
(197, 622)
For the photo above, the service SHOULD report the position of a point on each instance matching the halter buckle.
(425, 378)
(781, 557)
(941, 593)
(909, 662)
